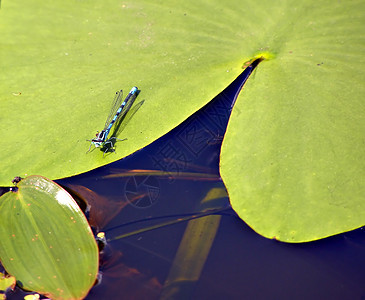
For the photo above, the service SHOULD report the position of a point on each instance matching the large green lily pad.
(46, 241)
(293, 156)
(61, 63)
(294, 138)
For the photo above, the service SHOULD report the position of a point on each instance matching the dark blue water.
(144, 202)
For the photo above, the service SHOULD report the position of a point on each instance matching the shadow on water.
(172, 235)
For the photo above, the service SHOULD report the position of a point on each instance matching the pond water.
(171, 232)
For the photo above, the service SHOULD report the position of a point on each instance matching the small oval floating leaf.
(46, 241)
(5, 283)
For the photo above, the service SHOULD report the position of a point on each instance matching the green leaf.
(5, 283)
(61, 63)
(299, 115)
(46, 241)
(293, 156)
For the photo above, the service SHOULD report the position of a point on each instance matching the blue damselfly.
(117, 111)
